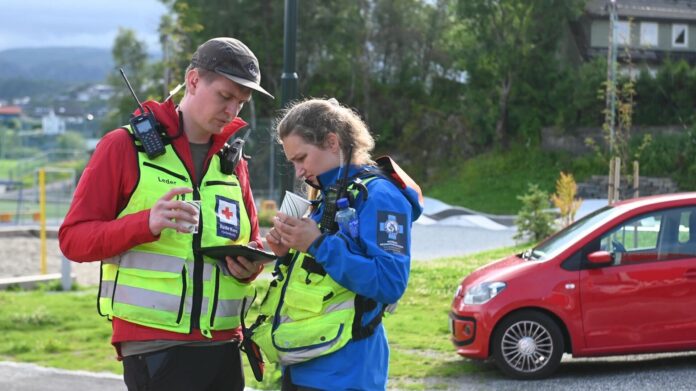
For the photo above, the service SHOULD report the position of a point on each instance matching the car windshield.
(569, 235)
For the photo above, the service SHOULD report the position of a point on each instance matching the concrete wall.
(573, 140)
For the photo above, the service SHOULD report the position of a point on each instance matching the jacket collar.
(332, 176)
(168, 116)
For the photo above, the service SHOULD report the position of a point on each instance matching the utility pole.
(611, 74)
(288, 86)
(610, 118)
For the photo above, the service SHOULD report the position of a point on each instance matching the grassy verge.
(62, 329)
(491, 182)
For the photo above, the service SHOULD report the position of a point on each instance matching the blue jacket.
(375, 266)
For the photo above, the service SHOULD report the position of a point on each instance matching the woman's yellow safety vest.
(164, 284)
(306, 314)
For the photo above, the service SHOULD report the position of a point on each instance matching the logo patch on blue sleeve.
(390, 231)
(227, 216)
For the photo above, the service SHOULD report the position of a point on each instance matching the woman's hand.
(292, 232)
(273, 240)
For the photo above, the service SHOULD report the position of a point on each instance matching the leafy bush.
(534, 220)
(564, 198)
(266, 217)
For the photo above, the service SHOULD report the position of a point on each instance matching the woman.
(323, 311)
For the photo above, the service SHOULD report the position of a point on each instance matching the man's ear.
(192, 80)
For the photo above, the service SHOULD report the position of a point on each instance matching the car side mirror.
(600, 258)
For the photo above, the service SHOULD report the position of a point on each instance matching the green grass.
(491, 182)
(418, 332)
(63, 330)
(55, 329)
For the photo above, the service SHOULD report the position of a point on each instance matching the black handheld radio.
(333, 194)
(145, 127)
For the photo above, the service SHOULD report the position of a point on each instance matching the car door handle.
(690, 274)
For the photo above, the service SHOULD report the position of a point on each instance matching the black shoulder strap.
(362, 306)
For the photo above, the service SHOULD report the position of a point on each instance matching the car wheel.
(528, 345)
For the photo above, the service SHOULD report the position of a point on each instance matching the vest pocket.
(262, 337)
(301, 341)
(150, 297)
(305, 301)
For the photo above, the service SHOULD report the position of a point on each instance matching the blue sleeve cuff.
(314, 247)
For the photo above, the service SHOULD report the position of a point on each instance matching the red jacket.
(91, 232)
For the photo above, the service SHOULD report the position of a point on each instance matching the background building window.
(622, 33)
(680, 35)
(648, 34)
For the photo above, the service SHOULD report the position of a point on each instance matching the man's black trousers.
(186, 368)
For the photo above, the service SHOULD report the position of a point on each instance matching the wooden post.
(42, 213)
(617, 178)
(636, 179)
(610, 182)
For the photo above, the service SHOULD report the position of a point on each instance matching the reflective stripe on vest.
(346, 305)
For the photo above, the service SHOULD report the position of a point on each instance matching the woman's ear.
(332, 142)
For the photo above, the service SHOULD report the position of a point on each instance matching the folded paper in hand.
(294, 205)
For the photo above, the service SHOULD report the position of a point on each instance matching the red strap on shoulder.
(389, 166)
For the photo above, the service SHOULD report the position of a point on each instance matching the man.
(175, 313)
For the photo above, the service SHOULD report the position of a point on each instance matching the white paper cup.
(193, 228)
(294, 205)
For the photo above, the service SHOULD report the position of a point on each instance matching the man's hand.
(297, 233)
(241, 268)
(169, 213)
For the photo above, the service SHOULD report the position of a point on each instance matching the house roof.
(10, 110)
(646, 9)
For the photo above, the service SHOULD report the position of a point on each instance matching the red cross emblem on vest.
(227, 212)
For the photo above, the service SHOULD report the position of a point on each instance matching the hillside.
(41, 71)
(68, 64)
(492, 181)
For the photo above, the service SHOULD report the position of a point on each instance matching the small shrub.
(266, 217)
(534, 220)
(564, 198)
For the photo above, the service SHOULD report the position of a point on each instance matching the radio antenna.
(140, 105)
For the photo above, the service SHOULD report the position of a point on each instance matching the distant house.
(652, 30)
(95, 92)
(10, 112)
(52, 124)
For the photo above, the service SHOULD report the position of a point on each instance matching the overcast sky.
(94, 23)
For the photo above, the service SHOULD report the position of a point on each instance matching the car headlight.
(458, 293)
(481, 293)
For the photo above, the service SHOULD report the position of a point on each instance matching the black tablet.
(252, 254)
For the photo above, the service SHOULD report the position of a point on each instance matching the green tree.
(511, 47)
(533, 220)
(129, 53)
(72, 141)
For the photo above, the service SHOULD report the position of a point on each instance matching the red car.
(621, 280)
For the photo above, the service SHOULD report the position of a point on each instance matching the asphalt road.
(674, 371)
(436, 241)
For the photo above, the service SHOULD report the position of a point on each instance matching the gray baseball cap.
(231, 58)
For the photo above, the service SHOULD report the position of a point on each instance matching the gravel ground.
(20, 255)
